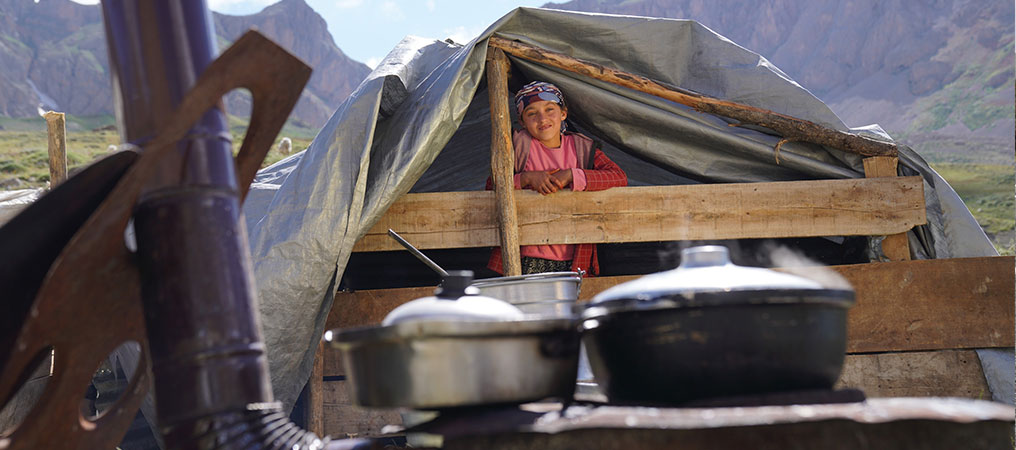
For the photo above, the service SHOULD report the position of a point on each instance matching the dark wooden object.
(791, 128)
(90, 300)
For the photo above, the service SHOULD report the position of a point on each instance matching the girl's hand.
(562, 177)
(544, 182)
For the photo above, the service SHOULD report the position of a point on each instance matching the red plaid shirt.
(605, 174)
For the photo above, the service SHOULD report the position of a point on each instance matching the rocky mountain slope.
(936, 72)
(53, 56)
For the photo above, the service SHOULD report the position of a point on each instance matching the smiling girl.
(548, 159)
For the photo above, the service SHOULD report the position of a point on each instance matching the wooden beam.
(895, 247)
(960, 303)
(57, 147)
(858, 207)
(791, 128)
(946, 373)
(502, 162)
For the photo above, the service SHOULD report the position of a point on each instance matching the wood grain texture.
(502, 162)
(858, 207)
(947, 373)
(57, 129)
(961, 303)
(792, 128)
(343, 419)
(895, 247)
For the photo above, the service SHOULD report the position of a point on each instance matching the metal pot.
(551, 294)
(711, 329)
(427, 357)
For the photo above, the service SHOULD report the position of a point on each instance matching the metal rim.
(430, 329)
(531, 277)
(842, 298)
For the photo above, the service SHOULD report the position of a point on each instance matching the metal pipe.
(211, 375)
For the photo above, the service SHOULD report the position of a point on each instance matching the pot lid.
(707, 271)
(454, 300)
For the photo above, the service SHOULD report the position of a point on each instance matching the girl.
(548, 159)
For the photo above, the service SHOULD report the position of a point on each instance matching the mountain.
(53, 55)
(936, 73)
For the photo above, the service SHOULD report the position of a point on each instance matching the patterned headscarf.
(536, 91)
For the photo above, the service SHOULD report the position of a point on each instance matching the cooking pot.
(550, 294)
(712, 329)
(459, 349)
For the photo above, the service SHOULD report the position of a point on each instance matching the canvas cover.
(305, 213)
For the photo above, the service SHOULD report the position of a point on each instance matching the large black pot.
(713, 329)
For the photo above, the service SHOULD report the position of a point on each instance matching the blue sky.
(366, 30)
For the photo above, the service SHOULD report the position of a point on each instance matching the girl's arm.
(604, 174)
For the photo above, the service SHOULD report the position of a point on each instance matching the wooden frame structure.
(935, 311)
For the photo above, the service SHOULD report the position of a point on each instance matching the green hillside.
(24, 154)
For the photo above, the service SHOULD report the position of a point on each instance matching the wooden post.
(57, 148)
(895, 247)
(315, 393)
(502, 161)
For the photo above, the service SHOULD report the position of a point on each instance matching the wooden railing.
(856, 207)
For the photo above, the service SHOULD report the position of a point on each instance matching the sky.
(366, 30)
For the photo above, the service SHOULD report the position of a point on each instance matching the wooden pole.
(896, 247)
(791, 128)
(502, 161)
(57, 148)
(315, 393)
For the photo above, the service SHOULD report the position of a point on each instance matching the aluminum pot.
(550, 294)
(459, 349)
(713, 329)
(436, 365)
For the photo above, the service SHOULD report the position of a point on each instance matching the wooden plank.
(343, 420)
(857, 207)
(502, 162)
(947, 373)
(931, 304)
(895, 246)
(958, 303)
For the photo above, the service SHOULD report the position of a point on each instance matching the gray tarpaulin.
(305, 213)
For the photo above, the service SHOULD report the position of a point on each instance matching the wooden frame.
(856, 207)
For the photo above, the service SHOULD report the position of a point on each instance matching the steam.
(789, 261)
(767, 254)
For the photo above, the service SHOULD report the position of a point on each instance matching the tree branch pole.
(57, 147)
(502, 164)
(789, 127)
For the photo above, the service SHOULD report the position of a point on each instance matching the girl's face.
(542, 119)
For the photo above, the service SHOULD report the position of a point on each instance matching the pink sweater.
(543, 158)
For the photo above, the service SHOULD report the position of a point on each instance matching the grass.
(988, 191)
(24, 154)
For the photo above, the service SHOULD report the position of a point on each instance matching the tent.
(305, 213)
